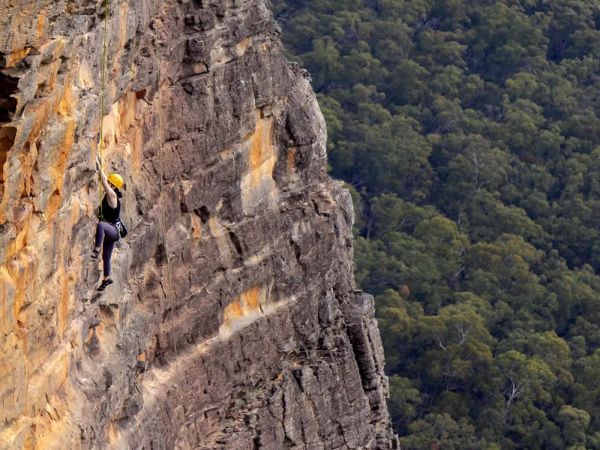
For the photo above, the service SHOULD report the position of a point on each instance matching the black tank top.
(111, 214)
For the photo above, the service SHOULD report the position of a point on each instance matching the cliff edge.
(233, 321)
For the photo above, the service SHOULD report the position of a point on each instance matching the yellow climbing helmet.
(116, 180)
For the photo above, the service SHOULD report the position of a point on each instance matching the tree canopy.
(467, 133)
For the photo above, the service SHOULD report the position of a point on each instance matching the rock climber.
(107, 233)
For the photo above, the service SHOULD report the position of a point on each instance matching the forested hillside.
(468, 131)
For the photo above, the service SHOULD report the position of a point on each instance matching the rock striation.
(233, 321)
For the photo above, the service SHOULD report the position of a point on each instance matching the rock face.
(233, 321)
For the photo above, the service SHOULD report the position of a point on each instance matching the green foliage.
(467, 134)
(441, 431)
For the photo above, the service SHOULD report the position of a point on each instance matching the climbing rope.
(169, 291)
(103, 70)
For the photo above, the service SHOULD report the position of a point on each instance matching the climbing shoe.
(104, 284)
(95, 254)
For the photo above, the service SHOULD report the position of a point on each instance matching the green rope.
(103, 70)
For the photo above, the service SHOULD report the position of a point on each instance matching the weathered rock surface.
(232, 322)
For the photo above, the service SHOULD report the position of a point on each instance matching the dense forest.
(468, 134)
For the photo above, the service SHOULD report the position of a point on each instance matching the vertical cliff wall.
(233, 321)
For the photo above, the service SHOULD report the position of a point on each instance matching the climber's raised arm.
(111, 195)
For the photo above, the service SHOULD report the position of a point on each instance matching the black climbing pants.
(107, 235)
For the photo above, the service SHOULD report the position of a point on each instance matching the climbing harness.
(103, 70)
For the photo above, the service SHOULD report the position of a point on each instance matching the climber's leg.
(99, 238)
(111, 237)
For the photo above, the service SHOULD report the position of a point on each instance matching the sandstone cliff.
(232, 322)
